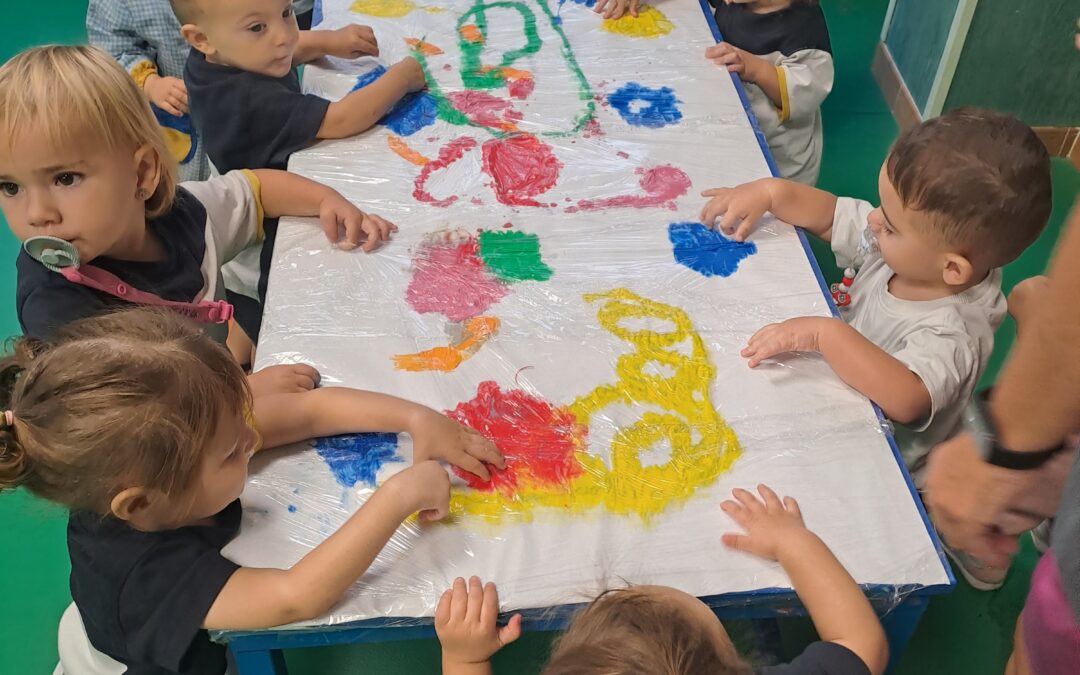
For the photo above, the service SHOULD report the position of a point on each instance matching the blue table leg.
(900, 624)
(258, 662)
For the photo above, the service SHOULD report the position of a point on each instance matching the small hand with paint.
(738, 61)
(794, 335)
(337, 214)
(615, 9)
(351, 42)
(465, 621)
(770, 524)
(436, 436)
(410, 69)
(741, 207)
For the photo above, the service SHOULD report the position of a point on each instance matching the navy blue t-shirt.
(822, 658)
(143, 596)
(793, 29)
(46, 301)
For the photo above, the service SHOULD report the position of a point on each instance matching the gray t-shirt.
(946, 342)
(1065, 540)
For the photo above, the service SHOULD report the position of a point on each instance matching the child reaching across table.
(82, 161)
(143, 428)
(961, 196)
(781, 50)
(661, 630)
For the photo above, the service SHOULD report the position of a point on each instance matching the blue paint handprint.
(357, 458)
(707, 251)
(409, 115)
(646, 107)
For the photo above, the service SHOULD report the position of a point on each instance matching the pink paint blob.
(449, 278)
(662, 186)
(448, 154)
(521, 87)
(484, 109)
(592, 129)
(522, 167)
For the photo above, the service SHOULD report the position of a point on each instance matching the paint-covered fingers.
(483, 449)
(464, 460)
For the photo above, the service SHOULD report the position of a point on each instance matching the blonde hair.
(631, 632)
(78, 92)
(119, 400)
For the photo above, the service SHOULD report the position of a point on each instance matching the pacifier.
(868, 243)
(52, 252)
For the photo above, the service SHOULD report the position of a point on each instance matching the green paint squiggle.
(513, 256)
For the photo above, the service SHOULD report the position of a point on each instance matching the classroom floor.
(965, 632)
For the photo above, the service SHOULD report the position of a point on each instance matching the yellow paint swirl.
(650, 23)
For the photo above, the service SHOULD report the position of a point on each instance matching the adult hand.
(167, 93)
(979, 508)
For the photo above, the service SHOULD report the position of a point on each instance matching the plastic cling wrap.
(550, 286)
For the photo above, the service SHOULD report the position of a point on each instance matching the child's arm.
(287, 194)
(741, 206)
(796, 86)
(361, 109)
(749, 68)
(329, 411)
(348, 42)
(260, 598)
(465, 623)
(864, 366)
(111, 28)
(839, 610)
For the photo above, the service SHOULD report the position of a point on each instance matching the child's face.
(903, 236)
(257, 36)
(224, 467)
(83, 193)
(696, 611)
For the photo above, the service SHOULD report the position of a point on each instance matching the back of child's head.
(119, 400)
(77, 96)
(631, 632)
(982, 176)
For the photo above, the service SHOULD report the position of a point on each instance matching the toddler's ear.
(137, 506)
(147, 170)
(957, 270)
(197, 38)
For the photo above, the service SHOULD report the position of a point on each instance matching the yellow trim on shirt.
(256, 188)
(784, 111)
(143, 70)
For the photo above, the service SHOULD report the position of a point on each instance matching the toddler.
(82, 162)
(143, 428)
(662, 631)
(961, 195)
(781, 50)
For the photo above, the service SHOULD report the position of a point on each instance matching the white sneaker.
(981, 576)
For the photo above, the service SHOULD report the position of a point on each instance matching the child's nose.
(41, 210)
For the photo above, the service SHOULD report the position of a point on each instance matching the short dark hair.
(982, 176)
(186, 11)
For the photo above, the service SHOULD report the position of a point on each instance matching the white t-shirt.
(946, 342)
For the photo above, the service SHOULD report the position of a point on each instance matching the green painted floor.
(965, 632)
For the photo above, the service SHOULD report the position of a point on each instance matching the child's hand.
(410, 69)
(352, 42)
(423, 488)
(437, 436)
(337, 213)
(794, 335)
(292, 378)
(738, 61)
(614, 9)
(742, 206)
(465, 624)
(167, 93)
(769, 526)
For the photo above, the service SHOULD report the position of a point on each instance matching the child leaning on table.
(657, 630)
(143, 428)
(81, 160)
(781, 50)
(247, 105)
(961, 196)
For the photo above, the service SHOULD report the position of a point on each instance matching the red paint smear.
(508, 225)
(448, 154)
(483, 108)
(450, 278)
(522, 167)
(521, 87)
(447, 67)
(477, 201)
(622, 154)
(537, 439)
(662, 186)
(592, 129)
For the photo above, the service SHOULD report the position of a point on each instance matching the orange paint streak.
(471, 33)
(425, 48)
(405, 152)
(475, 333)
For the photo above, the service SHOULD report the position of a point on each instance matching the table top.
(551, 285)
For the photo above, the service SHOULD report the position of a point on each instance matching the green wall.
(1019, 57)
(916, 41)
